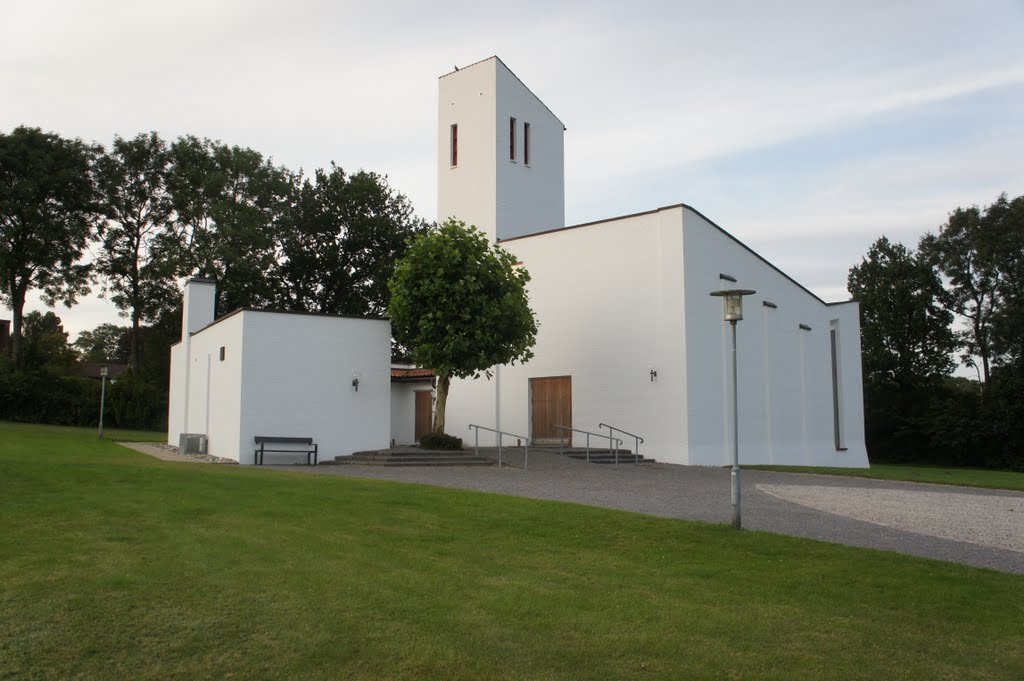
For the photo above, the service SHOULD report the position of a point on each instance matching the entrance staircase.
(602, 456)
(413, 456)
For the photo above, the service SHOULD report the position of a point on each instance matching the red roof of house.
(411, 374)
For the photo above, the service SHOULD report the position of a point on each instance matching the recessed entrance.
(550, 406)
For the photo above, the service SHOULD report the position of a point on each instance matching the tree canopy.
(459, 304)
(137, 205)
(905, 333)
(48, 214)
(341, 238)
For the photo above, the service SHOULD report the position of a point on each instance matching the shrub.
(440, 441)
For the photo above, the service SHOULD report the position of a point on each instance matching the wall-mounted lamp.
(654, 374)
(355, 384)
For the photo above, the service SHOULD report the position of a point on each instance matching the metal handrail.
(613, 442)
(613, 429)
(476, 443)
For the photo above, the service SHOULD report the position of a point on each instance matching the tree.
(979, 253)
(905, 331)
(48, 214)
(230, 204)
(1008, 317)
(46, 344)
(133, 186)
(342, 237)
(459, 304)
(104, 344)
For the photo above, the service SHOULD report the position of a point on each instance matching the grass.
(969, 477)
(117, 565)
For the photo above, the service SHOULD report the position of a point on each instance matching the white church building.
(629, 334)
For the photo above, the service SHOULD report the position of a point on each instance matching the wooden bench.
(302, 445)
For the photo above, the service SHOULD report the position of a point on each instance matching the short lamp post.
(732, 312)
(103, 395)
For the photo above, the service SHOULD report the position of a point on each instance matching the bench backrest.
(292, 440)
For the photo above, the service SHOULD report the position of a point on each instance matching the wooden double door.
(550, 406)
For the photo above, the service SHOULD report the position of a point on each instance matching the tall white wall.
(468, 190)
(608, 299)
(198, 301)
(502, 196)
(530, 197)
(176, 395)
(784, 371)
(296, 381)
(214, 389)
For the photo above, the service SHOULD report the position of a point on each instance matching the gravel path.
(960, 524)
(994, 520)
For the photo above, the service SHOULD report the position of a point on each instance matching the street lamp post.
(732, 312)
(103, 396)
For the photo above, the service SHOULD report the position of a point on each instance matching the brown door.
(550, 406)
(424, 404)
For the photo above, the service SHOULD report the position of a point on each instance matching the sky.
(806, 128)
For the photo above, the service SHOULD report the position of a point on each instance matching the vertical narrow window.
(512, 139)
(836, 420)
(526, 144)
(455, 145)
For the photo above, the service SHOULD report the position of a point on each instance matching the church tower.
(500, 153)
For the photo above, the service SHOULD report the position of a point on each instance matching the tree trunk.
(443, 382)
(135, 342)
(17, 308)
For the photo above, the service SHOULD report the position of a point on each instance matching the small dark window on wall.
(512, 139)
(526, 144)
(222, 353)
(455, 145)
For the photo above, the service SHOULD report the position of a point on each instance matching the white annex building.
(628, 333)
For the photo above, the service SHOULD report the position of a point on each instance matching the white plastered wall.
(297, 378)
(608, 300)
(530, 197)
(784, 371)
(214, 392)
(501, 196)
(467, 190)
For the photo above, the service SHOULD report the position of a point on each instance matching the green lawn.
(971, 477)
(115, 565)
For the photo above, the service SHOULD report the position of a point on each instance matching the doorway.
(550, 406)
(424, 412)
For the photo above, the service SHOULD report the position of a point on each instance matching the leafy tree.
(48, 214)
(1008, 316)
(46, 344)
(341, 240)
(980, 252)
(230, 204)
(905, 331)
(132, 181)
(104, 344)
(459, 304)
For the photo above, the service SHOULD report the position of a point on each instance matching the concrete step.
(386, 457)
(606, 457)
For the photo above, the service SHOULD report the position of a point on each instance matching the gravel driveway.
(979, 527)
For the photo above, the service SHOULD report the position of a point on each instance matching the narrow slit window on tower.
(455, 145)
(526, 144)
(512, 139)
(837, 421)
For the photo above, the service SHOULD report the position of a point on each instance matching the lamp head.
(732, 302)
